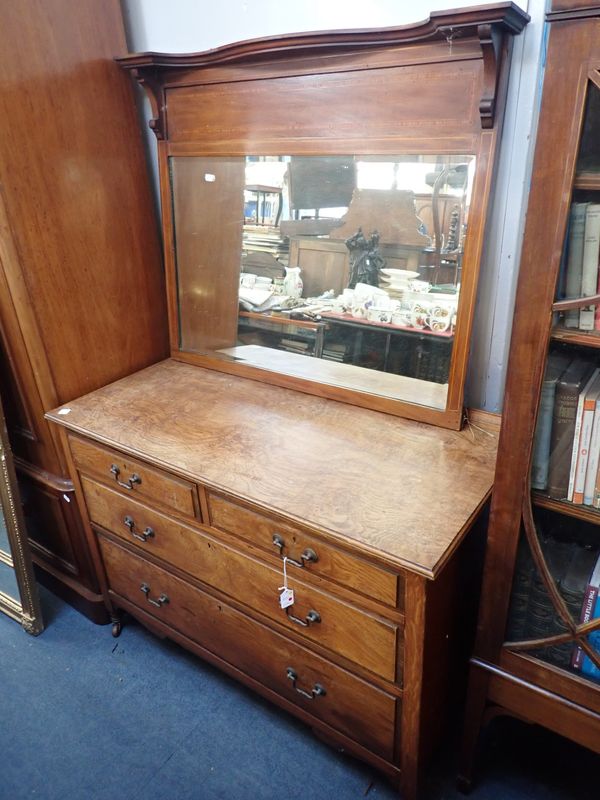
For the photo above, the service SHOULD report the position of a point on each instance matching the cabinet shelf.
(586, 513)
(575, 336)
(587, 180)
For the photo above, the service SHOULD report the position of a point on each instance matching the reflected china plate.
(399, 273)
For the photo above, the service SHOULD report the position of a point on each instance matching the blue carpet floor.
(86, 717)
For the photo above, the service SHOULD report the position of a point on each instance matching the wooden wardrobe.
(81, 283)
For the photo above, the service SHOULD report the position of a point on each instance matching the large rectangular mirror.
(345, 270)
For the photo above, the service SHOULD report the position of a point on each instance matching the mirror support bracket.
(490, 40)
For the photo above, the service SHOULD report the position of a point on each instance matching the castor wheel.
(116, 626)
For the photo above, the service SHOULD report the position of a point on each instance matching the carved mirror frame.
(439, 88)
(26, 607)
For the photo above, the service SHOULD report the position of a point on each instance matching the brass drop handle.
(316, 691)
(311, 617)
(135, 478)
(308, 555)
(142, 537)
(160, 602)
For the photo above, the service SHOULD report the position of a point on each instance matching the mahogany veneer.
(81, 284)
(507, 677)
(220, 476)
(197, 482)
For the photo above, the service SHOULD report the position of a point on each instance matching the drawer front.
(134, 477)
(354, 707)
(359, 636)
(319, 558)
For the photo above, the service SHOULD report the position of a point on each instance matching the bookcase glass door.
(554, 612)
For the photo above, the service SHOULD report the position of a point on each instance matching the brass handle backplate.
(307, 556)
(311, 617)
(142, 537)
(161, 601)
(135, 478)
(316, 691)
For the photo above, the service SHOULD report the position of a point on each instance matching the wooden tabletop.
(381, 484)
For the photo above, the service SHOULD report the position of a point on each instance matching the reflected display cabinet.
(323, 200)
(538, 643)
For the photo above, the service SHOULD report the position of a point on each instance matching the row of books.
(575, 570)
(581, 263)
(590, 610)
(566, 449)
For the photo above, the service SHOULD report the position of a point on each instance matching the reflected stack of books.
(336, 351)
(296, 346)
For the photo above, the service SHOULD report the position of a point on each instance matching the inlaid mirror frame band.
(437, 87)
(322, 253)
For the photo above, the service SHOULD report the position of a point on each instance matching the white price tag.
(286, 595)
(286, 598)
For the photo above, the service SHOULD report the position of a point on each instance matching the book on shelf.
(588, 606)
(532, 614)
(587, 665)
(575, 259)
(557, 364)
(589, 268)
(591, 474)
(564, 414)
(586, 407)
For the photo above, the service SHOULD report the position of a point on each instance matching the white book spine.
(575, 450)
(593, 459)
(589, 266)
(577, 434)
(587, 423)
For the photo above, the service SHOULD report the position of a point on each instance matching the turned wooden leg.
(117, 623)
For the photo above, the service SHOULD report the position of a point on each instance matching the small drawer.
(357, 635)
(308, 552)
(133, 477)
(349, 704)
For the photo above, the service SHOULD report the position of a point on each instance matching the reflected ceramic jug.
(292, 283)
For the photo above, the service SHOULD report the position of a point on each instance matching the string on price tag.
(286, 595)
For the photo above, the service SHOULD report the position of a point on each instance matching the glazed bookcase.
(524, 677)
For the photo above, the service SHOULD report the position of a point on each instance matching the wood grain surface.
(363, 638)
(395, 488)
(352, 705)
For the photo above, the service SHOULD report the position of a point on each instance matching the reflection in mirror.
(18, 592)
(341, 269)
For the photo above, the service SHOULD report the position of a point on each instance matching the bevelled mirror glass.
(340, 269)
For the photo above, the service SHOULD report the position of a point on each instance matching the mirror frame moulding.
(481, 35)
(28, 611)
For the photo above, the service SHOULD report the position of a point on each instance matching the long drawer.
(353, 706)
(310, 553)
(363, 638)
(134, 477)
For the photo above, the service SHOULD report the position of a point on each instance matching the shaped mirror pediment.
(324, 204)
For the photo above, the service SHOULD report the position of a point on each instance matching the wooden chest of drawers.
(194, 502)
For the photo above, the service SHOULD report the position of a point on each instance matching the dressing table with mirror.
(323, 202)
